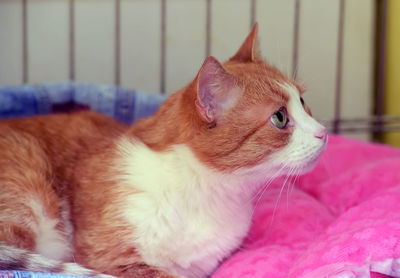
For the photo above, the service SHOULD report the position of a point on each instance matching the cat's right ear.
(250, 49)
(216, 90)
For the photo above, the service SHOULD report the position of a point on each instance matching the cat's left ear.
(249, 51)
(216, 90)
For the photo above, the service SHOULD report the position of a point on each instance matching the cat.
(169, 196)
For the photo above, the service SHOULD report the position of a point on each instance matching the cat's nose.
(321, 134)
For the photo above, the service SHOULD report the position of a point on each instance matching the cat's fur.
(170, 194)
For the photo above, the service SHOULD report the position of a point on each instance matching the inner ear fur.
(215, 90)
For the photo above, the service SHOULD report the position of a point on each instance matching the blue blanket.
(25, 274)
(124, 105)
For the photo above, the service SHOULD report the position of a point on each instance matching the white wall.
(48, 38)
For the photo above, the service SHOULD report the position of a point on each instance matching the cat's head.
(247, 116)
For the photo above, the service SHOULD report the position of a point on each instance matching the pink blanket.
(341, 220)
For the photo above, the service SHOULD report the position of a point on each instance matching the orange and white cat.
(169, 196)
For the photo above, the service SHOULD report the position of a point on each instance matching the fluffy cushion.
(341, 220)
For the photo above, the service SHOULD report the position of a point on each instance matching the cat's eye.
(280, 119)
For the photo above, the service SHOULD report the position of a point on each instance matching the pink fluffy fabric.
(340, 220)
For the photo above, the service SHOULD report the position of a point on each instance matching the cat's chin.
(309, 164)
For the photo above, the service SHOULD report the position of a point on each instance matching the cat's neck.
(178, 197)
(177, 160)
(171, 125)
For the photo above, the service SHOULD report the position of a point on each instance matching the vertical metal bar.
(117, 77)
(296, 28)
(381, 65)
(72, 40)
(339, 62)
(208, 28)
(25, 73)
(163, 45)
(252, 13)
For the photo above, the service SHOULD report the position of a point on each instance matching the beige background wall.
(48, 50)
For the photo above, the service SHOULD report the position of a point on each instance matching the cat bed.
(340, 220)
(26, 274)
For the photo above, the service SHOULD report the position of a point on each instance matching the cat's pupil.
(280, 116)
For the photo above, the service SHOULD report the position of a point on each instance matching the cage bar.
(253, 6)
(339, 64)
(208, 28)
(71, 39)
(25, 73)
(117, 74)
(381, 64)
(163, 45)
(296, 28)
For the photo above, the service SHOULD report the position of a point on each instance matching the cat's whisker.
(279, 196)
(268, 182)
(266, 186)
(291, 185)
(299, 170)
(296, 176)
(261, 193)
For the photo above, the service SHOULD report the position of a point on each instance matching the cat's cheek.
(309, 166)
(289, 128)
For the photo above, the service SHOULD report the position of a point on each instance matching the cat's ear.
(216, 90)
(249, 51)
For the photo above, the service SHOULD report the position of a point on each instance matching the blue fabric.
(124, 105)
(25, 274)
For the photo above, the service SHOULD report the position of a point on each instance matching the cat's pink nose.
(321, 134)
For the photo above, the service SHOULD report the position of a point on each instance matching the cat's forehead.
(263, 82)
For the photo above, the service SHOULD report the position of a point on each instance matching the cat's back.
(75, 131)
(55, 143)
(63, 123)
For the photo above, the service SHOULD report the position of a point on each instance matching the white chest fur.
(187, 218)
